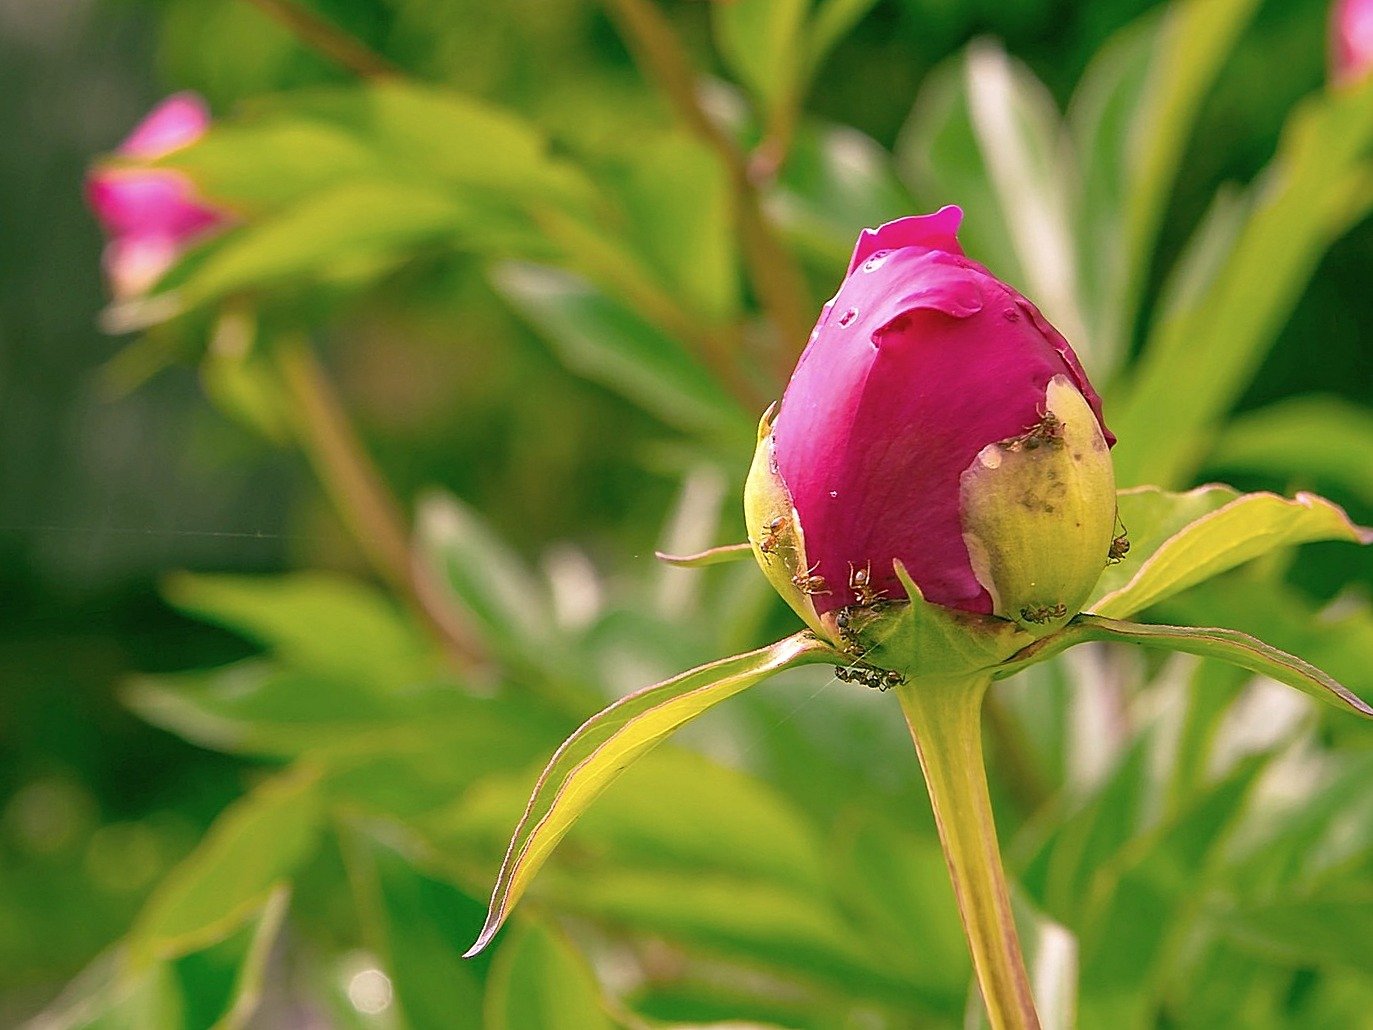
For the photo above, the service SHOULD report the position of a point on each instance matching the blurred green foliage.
(525, 276)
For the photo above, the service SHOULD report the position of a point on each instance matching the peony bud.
(1351, 40)
(151, 215)
(935, 420)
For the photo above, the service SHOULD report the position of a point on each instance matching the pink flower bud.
(935, 419)
(1351, 40)
(151, 215)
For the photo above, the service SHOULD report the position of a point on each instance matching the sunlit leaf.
(316, 622)
(537, 979)
(1131, 117)
(1306, 439)
(761, 42)
(414, 920)
(989, 134)
(252, 849)
(1316, 188)
(1229, 645)
(605, 341)
(1179, 540)
(593, 756)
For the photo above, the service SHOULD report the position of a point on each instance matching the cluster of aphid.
(1047, 431)
(873, 679)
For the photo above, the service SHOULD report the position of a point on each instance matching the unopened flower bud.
(151, 215)
(935, 419)
(1351, 40)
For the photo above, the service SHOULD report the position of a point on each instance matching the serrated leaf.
(539, 980)
(254, 846)
(592, 757)
(1184, 539)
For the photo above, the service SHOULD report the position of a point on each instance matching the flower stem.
(372, 514)
(325, 38)
(945, 721)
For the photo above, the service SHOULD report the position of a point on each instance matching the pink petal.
(148, 202)
(177, 122)
(938, 231)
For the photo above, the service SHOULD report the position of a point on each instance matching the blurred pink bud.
(151, 215)
(1351, 40)
(905, 432)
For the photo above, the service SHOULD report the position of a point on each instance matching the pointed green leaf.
(1226, 644)
(1315, 189)
(539, 980)
(1131, 117)
(712, 556)
(249, 852)
(604, 745)
(1179, 540)
(1305, 439)
(761, 42)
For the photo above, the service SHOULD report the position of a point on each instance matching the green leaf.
(601, 339)
(1316, 188)
(336, 231)
(1306, 439)
(254, 846)
(1331, 928)
(988, 133)
(488, 580)
(761, 42)
(222, 984)
(678, 208)
(1179, 540)
(836, 182)
(1131, 117)
(1229, 645)
(109, 996)
(831, 22)
(413, 920)
(538, 980)
(608, 742)
(315, 622)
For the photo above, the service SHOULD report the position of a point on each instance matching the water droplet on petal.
(848, 317)
(878, 259)
(834, 493)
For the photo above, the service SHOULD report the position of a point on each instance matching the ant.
(769, 542)
(1047, 431)
(860, 582)
(1120, 546)
(809, 583)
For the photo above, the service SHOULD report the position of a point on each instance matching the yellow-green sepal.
(779, 547)
(921, 640)
(1039, 514)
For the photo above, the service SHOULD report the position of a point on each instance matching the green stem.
(945, 720)
(325, 38)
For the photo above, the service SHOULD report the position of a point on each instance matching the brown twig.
(362, 498)
(327, 39)
(776, 277)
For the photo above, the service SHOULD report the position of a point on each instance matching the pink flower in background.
(919, 368)
(1351, 40)
(151, 215)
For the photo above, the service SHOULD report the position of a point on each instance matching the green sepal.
(1039, 514)
(921, 640)
(780, 553)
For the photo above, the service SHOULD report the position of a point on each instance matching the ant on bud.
(1048, 431)
(1120, 546)
(1044, 612)
(809, 583)
(860, 582)
(770, 540)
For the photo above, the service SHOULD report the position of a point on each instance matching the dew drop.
(834, 493)
(847, 318)
(1012, 315)
(878, 259)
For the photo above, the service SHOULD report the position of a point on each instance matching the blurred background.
(109, 486)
